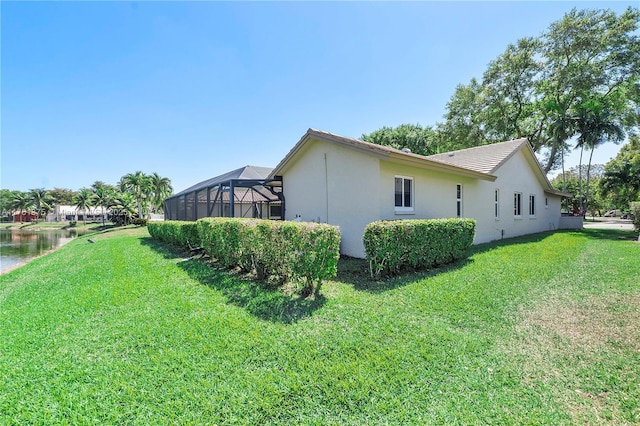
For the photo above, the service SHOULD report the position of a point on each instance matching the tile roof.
(382, 151)
(483, 159)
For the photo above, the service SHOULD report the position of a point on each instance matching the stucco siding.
(516, 176)
(332, 184)
(434, 192)
(348, 183)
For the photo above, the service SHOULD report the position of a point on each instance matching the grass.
(535, 330)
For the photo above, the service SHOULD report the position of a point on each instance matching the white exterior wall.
(434, 192)
(351, 189)
(332, 184)
(514, 176)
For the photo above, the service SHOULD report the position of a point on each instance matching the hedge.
(392, 246)
(220, 238)
(176, 232)
(295, 252)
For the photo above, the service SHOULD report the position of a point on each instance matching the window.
(403, 194)
(275, 211)
(496, 204)
(532, 205)
(517, 204)
(458, 200)
(546, 202)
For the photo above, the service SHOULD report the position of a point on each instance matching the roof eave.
(383, 153)
(558, 192)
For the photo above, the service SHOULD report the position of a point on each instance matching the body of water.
(18, 245)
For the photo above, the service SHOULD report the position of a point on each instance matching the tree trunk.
(580, 180)
(586, 198)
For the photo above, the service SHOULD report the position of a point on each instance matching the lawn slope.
(542, 329)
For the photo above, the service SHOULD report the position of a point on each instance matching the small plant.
(72, 223)
(139, 221)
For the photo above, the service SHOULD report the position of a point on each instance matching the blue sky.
(190, 90)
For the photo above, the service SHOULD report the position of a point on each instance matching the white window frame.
(496, 204)
(459, 194)
(517, 205)
(404, 209)
(532, 205)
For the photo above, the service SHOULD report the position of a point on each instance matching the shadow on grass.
(267, 304)
(356, 272)
(611, 234)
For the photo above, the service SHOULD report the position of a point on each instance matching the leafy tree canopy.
(584, 66)
(420, 140)
(621, 179)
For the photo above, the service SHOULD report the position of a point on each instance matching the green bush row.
(294, 252)
(179, 233)
(392, 246)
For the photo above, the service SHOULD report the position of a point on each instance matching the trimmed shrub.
(139, 221)
(220, 238)
(178, 233)
(392, 246)
(296, 252)
(304, 253)
(300, 252)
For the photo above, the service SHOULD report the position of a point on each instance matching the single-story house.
(350, 183)
(62, 213)
(24, 216)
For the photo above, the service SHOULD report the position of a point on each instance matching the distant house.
(244, 192)
(65, 213)
(24, 216)
(350, 183)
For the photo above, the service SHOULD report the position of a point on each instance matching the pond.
(20, 245)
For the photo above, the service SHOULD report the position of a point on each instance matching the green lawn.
(535, 330)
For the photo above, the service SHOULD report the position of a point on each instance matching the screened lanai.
(244, 192)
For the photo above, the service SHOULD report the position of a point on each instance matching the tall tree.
(621, 179)
(22, 202)
(160, 188)
(586, 54)
(139, 185)
(7, 202)
(62, 196)
(464, 124)
(41, 201)
(84, 201)
(103, 196)
(418, 139)
(123, 208)
(595, 125)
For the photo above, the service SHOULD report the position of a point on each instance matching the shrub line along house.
(351, 183)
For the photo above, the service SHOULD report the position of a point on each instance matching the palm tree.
(41, 200)
(561, 129)
(103, 197)
(161, 188)
(138, 184)
(123, 208)
(595, 125)
(22, 202)
(83, 201)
